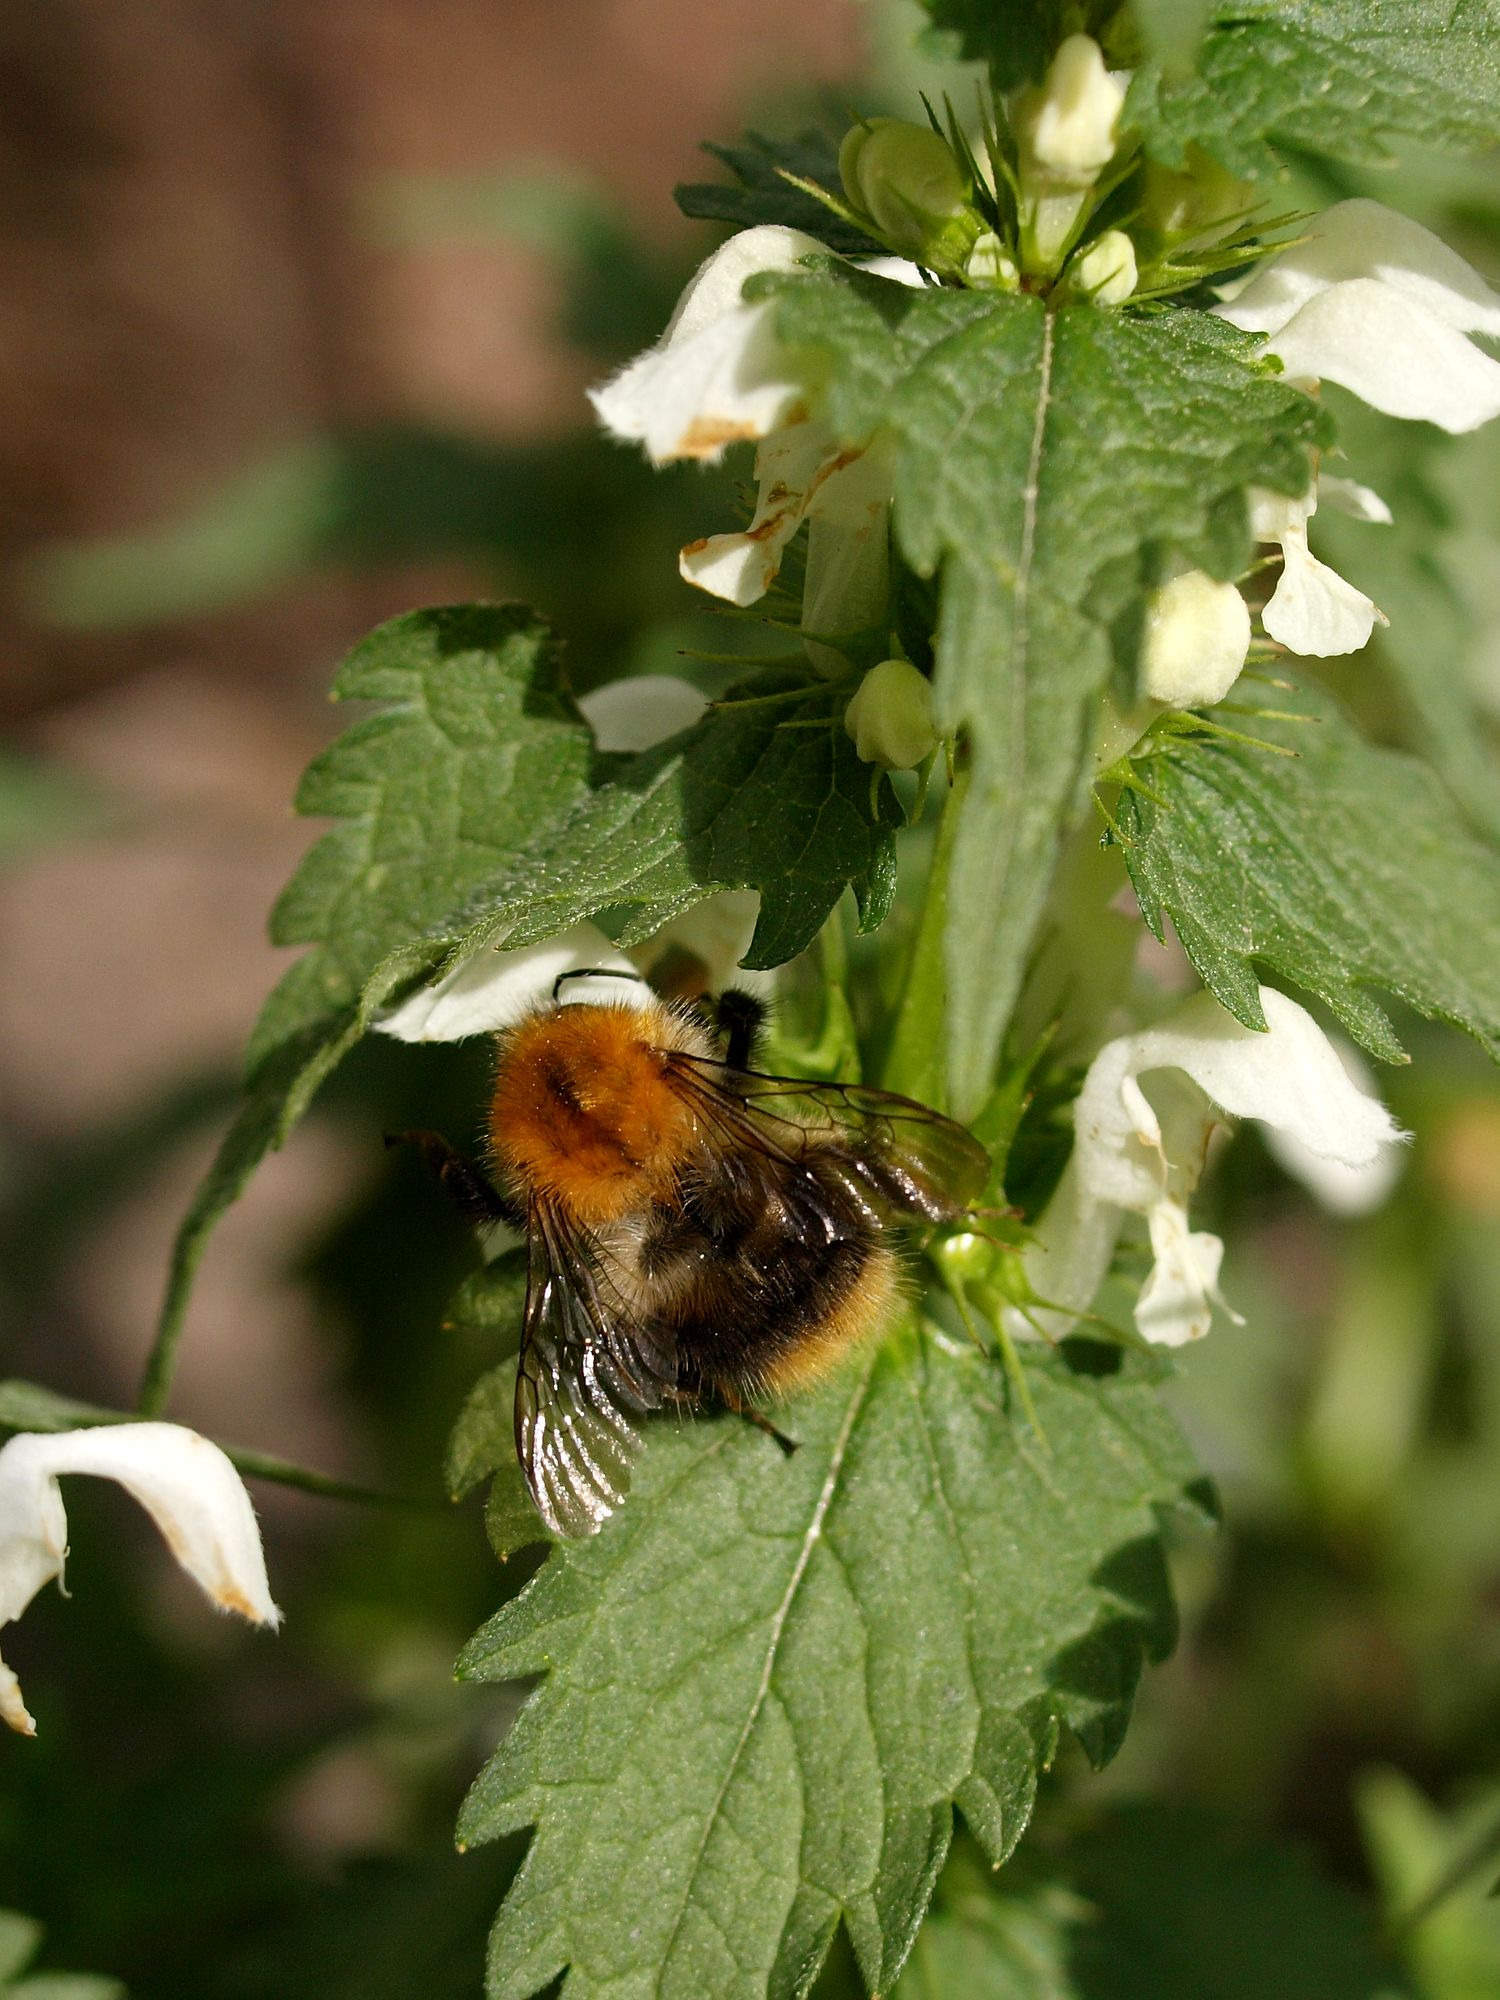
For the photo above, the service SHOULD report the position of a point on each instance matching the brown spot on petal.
(706, 437)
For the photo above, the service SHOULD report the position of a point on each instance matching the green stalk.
(916, 1062)
(27, 1406)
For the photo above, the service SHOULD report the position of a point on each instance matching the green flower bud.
(1105, 272)
(905, 178)
(890, 717)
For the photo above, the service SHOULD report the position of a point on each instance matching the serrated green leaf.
(763, 195)
(1338, 869)
(1047, 461)
(768, 1680)
(475, 745)
(1338, 76)
(767, 795)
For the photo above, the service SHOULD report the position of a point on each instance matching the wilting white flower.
(719, 374)
(1143, 1155)
(494, 989)
(1196, 636)
(1375, 302)
(890, 716)
(1313, 610)
(187, 1486)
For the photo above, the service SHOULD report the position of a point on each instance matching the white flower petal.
(1342, 1189)
(187, 1486)
(1347, 496)
(1391, 353)
(716, 933)
(1313, 610)
(1364, 239)
(718, 373)
(1177, 1300)
(1273, 516)
(802, 472)
(1140, 1155)
(639, 713)
(495, 989)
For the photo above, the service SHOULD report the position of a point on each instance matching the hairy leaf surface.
(1048, 463)
(769, 1679)
(1338, 76)
(1339, 869)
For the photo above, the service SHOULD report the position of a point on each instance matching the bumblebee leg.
(739, 1018)
(736, 1408)
(466, 1185)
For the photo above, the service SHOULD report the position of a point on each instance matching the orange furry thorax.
(585, 1113)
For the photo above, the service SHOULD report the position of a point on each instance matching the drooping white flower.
(1313, 610)
(1340, 1188)
(187, 1486)
(1373, 301)
(719, 374)
(1196, 636)
(1143, 1154)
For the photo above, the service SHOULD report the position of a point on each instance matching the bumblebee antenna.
(594, 972)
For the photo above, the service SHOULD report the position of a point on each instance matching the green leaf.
(763, 195)
(765, 794)
(768, 1679)
(1337, 869)
(475, 744)
(1017, 40)
(474, 810)
(1338, 76)
(1047, 463)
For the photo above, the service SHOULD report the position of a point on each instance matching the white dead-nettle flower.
(187, 1486)
(494, 989)
(719, 374)
(1196, 636)
(1373, 301)
(1067, 128)
(1066, 132)
(1136, 1153)
(1313, 610)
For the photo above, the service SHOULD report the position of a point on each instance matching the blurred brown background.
(199, 272)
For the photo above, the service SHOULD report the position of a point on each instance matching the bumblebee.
(697, 1231)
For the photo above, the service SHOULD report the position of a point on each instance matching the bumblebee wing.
(586, 1372)
(913, 1159)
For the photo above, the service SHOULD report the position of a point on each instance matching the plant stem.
(916, 1062)
(27, 1406)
